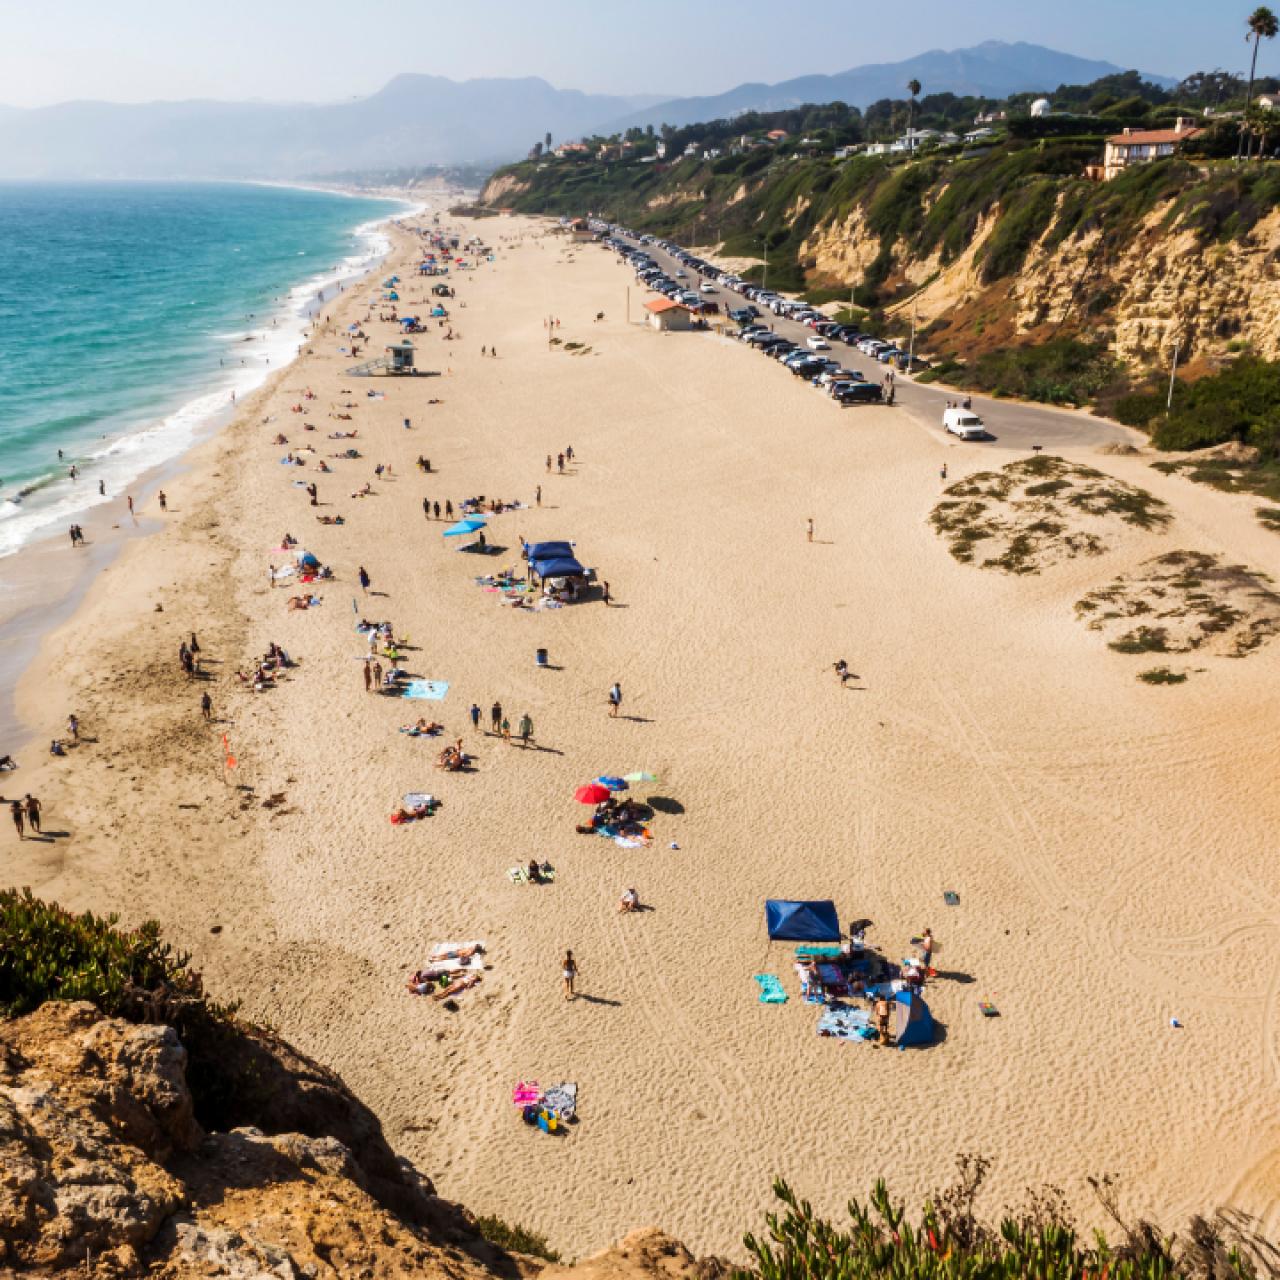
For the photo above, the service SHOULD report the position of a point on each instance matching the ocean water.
(130, 312)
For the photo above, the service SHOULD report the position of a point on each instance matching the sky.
(330, 50)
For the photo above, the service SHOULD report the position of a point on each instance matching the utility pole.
(764, 280)
(1173, 373)
(911, 348)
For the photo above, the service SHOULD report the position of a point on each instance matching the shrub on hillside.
(948, 1242)
(1241, 403)
(1061, 371)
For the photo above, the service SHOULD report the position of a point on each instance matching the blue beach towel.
(426, 690)
(771, 991)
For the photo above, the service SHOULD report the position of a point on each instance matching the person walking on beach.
(604, 593)
(568, 453)
(164, 502)
(526, 730)
(548, 464)
(448, 509)
(495, 718)
(129, 500)
(15, 810)
(474, 713)
(435, 506)
(102, 488)
(615, 699)
(506, 730)
(73, 728)
(560, 463)
(33, 812)
(569, 972)
(368, 676)
(944, 473)
(377, 676)
(538, 495)
(810, 528)
(363, 575)
(206, 707)
(842, 670)
(426, 507)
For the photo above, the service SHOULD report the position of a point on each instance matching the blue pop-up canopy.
(802, 921)
(557, 567)
(470, 524)
(548, 550)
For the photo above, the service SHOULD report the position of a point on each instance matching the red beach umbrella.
(592, 793)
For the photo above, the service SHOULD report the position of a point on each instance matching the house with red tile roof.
(1141, 146)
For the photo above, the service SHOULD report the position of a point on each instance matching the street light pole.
(911, 348)
(1173, 373)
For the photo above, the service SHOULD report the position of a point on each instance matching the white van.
(964, 423)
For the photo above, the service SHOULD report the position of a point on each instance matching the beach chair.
(547, 1121)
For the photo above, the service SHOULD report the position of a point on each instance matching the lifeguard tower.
(397, 361)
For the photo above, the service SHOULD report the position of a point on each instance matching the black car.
(859, 393)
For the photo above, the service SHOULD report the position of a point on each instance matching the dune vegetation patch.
(1038, 511)
(1185, 602)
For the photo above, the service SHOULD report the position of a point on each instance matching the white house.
(1141, 146)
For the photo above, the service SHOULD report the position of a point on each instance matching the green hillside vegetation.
(758, 199)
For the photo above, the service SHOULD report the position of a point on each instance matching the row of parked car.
(845, 385)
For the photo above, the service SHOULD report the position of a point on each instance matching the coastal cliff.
(1009, 246)
(107, 1171)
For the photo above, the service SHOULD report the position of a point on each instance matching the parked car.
(817, 344)
(859, 393)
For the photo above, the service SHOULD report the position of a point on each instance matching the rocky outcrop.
(105, 1170)
(497, 191)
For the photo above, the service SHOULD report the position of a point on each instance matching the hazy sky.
(324, 50)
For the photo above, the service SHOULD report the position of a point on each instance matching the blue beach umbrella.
(614, 784)
(469, 525)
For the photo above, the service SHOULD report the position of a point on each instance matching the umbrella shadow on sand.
(664, 804)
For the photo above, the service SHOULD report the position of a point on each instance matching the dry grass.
(1036, 512)
(1185, 602)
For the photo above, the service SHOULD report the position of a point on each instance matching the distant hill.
(414, 120)
(992, 70)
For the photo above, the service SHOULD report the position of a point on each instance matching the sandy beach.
(1112, 843)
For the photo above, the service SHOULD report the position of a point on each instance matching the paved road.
(1011, 425)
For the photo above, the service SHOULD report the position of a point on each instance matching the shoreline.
(41, 587)
(1030, 772)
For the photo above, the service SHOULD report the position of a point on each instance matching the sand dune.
(1112, 843)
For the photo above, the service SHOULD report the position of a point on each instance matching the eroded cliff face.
(1160, 287)
(497, 191)
(105, 1170)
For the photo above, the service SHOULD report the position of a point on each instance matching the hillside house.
(1142, 146)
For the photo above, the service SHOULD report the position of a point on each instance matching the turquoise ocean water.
(129, 312)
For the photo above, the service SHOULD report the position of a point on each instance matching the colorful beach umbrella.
(613, 783)
(640, 777)
(592, 793)
(468, 525)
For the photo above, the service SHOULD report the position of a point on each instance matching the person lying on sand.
(365, 492)
(423, 727)
(452, 758)
(299, 602)
(330, 519)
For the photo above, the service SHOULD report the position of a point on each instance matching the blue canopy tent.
(471, 524)
(913, 1021)
(549, 550)
(802, 921)
(557, 567)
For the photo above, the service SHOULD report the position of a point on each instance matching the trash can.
(541, 657)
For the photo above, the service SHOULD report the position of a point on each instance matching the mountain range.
(419, 119)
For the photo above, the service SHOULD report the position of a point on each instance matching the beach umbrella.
(640, 776)
(592, 793)
(613, 783)
(469, 525)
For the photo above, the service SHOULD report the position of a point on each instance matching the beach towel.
(426, 690)
(526, 1093)
(818, 952)
(561, 1100)
(842, 1023)
(988, 1009)
(418, 800)
(771, 990)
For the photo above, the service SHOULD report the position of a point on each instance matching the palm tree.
(913, 88)
(1263, 25)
